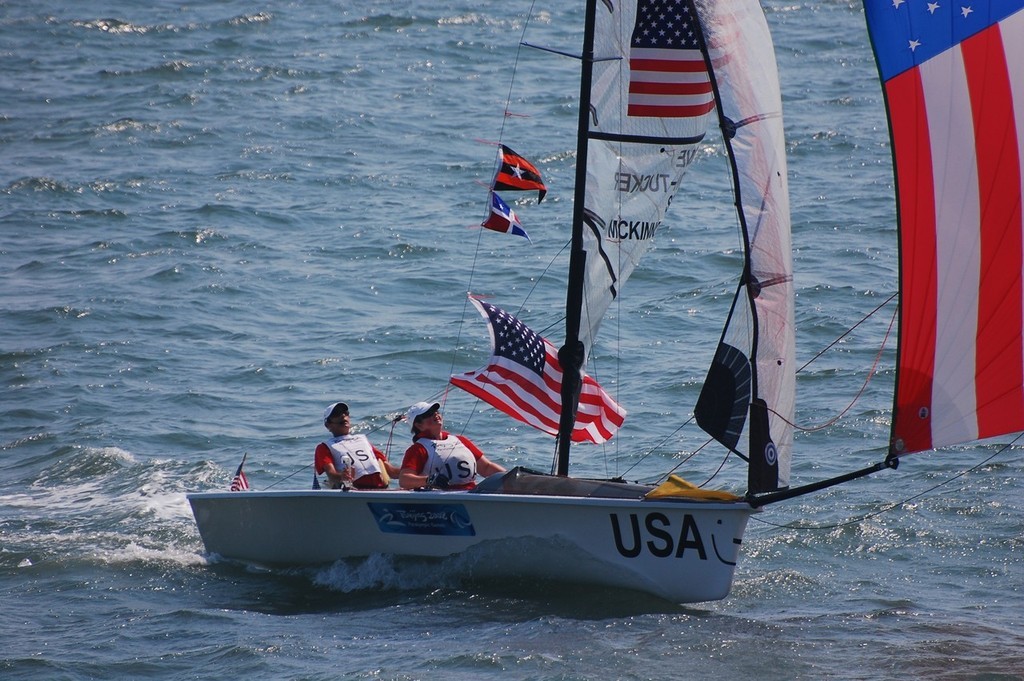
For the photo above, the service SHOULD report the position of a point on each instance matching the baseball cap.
(420, 409)
(335, 409)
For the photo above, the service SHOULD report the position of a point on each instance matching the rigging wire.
(805, 365)
(501, 135)
(533, 288)
(864, 386)
(479, 239)
(895, 504)
(442, 395)
(848, 332)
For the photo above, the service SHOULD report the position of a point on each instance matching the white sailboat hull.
(680, 550)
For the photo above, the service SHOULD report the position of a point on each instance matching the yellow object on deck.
(677, 487)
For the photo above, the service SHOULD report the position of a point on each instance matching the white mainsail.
(651, 101)
(659, 68)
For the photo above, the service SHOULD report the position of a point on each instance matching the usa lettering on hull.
(657, 536)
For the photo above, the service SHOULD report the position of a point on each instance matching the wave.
(41, 184)
(118, 26)
(250, 19)
(57, 187)
(128, 125)
(103, 505)
(175, 66)
(115, 26)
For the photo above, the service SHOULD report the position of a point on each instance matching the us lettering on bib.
(450, 458)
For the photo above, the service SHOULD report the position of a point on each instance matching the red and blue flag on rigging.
(954, 85)
(524, 379)
(503, 219)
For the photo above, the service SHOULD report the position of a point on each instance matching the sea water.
(218, 218)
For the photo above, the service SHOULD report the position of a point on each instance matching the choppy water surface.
(217, 218)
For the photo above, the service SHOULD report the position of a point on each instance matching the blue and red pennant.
(503, 219)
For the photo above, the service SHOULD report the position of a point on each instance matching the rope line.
(874, 369)
(895, 504)
(864, 386)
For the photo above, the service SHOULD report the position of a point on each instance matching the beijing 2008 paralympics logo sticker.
(437, 519)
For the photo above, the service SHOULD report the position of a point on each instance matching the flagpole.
(571, 354)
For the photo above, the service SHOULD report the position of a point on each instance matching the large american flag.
(954, 82)
(524, 380)
(667, 75)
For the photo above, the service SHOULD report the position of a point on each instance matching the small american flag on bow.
(524, 379)
(667, 75)
(240, 483)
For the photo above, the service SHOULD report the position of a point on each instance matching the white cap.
(329, 411)
(419, 409)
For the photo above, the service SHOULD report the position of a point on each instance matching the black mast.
(571, 354)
